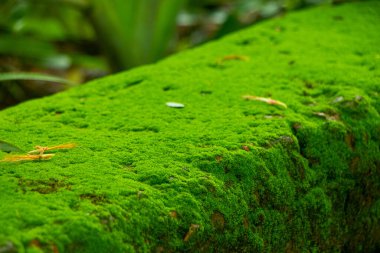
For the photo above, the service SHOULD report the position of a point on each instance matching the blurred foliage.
(32, 76)
(80, 40)
(134, 32)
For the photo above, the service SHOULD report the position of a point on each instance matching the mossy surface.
(222, 174)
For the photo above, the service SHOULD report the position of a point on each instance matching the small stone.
(338, 99)
(175, 105)
(358, 98)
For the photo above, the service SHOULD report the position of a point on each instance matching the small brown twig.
(266, 100)
(232, 57)
(193, 228)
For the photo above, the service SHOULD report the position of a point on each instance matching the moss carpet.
(224, 173)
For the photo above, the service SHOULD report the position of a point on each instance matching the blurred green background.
(50, 45)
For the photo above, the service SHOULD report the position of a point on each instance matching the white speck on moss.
(175, 105)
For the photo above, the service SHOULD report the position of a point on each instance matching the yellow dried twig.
(37, 154)
(40, 150)
(266, 100)
(19, 158)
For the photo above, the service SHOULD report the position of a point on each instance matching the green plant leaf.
(33, 76)
(26, 47)
(7, 147)
(144, 29)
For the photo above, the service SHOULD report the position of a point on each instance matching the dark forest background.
(47, 46)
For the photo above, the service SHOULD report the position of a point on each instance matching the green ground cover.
(222, 174)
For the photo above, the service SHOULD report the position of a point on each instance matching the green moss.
(222, 174)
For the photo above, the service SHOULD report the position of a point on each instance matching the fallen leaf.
(246, 148)
(175, 105)
(327, 116)
(7, 147)
(232, 57)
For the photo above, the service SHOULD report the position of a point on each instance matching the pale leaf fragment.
(266, 100)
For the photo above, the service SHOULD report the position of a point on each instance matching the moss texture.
(223, 174)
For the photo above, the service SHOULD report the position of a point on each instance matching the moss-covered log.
(224, 173)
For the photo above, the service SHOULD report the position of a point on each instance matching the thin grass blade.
(33, 76)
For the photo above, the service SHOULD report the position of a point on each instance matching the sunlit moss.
(222, 174)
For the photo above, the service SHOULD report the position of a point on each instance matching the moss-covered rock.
(222, 174)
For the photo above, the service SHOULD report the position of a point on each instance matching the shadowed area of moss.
(222, 174)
